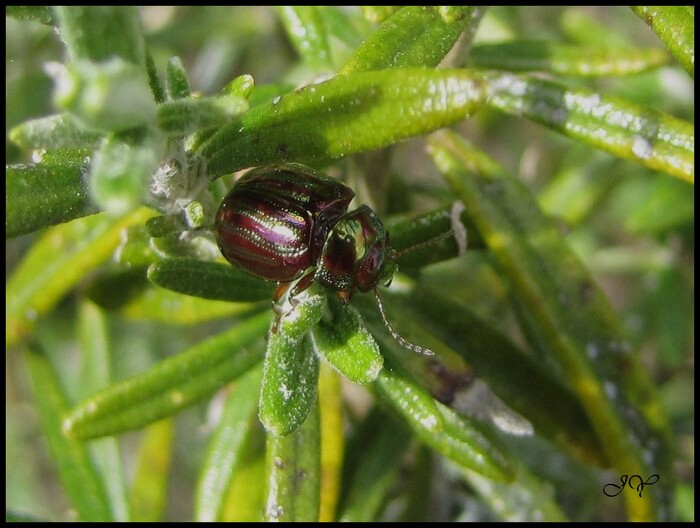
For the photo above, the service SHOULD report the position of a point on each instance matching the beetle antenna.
(406, 344)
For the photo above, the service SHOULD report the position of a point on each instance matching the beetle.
(289, 223)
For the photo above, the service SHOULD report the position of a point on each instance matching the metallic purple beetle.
(289, 223)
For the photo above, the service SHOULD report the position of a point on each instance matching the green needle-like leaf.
(293, 479)
(472, 446)
(434, 236)
(675, 26)
(225, 450)
(290, 372)
(95, 375)
(577, 328)
(40, 14)
(514, 376)
(410, 399)
(345, 115)
(129, 293)
(467, 345)
(209, 280)
(178, 85)
(241, 86)
(154, 79)
(413, 36)
(305, 29)
(190, 114)
(566, 60)
(171, 385)
(58, 131)
(652, 139)
(347, 345)
(77, 472)
(458, 438)
(38, 196)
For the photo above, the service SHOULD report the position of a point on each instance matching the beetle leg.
(278, 304)
(301, 284)
(287, 297)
